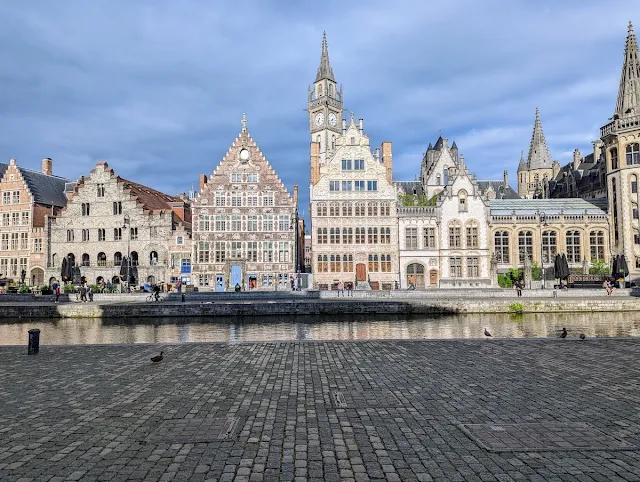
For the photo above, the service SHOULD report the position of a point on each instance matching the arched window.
(54, 259)
(462, 201)
(372, 209)
(117, 258)
(633, 154)
(85, 260)
(501, 242)
(360, 209)
(102, 259)
(614, 158)
(134, 258)
(525, 246)
(153, 258)
(549, 246)
(596, 245)
(347, 209)
(573, 246)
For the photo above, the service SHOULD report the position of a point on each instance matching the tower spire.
(324, 71)
(629, 92)
(539, 156)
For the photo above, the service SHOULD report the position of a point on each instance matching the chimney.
(315, 162)
(597, 149)
(506, 178)
(361, 126)
(576, 158)
(344, 126)
(47, 166)
(387, 160)
(556, 168)
(203, 181)
(295, 194)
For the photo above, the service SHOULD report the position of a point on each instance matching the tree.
(599, 267)
(536, 271)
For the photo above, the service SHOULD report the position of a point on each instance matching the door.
(433, 277)
(219, 282)
(236, 275)
(361, 272)
(415, 276)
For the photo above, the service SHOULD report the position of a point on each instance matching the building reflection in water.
(246, 329)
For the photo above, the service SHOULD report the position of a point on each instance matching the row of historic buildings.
(444, 229)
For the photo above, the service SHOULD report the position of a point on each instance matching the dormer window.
(462, 201)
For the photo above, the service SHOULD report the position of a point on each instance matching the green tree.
(536, 271)
(599, 267)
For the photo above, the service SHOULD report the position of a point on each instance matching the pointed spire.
(539, 156)
(244, 123)
(324, 71)
(522, 166)
(629, 92)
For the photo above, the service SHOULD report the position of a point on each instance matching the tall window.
(14, 240)
(549, 246)
(267, 222)
(501, 242)
(614, 203)
(24, 240)
(133, 232)
(203, 223)
(236, 249)
(411, 238)
(322, 235)
(596, 245)
(360, 235)
(385, 209)
(252, 251)
(633, 154)
(117, 207)
(360, 209)
(372, 235)
(385, 263)
(334, 263)
(347, 235)
(220, 199)
(472, 236)
(445, 172)
(525, 246)
(284, 222)
(85, 209)
(358, 186)
(455, 266)
(614, 158)
(358, 164)
(373, 263)
(267, 199)
(252, 199)
(85, 235)
(203, 252)
(6, 197)
(102, 259)
(323, 263)
(429, 237)
(117, 258)
(346, 166)
(37, 245)
(267, 251)
(473, 267)
(462, 202)
(220, 252)
(455, 240)
(69, 235)
(236, 199)
(221, 223)
(573, 246)
(334, 209)
(102, 234)
(252, 223)
(100, 192)
(25, 218)
(334, 236)
(5, 241)
(117, 234)
(372, 209)
(438, 182)
(347, 263)
(16, 197)
(385, 235)
(321, 209)
(347, 209)
(236, 223)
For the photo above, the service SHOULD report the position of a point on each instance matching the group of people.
(341, 288)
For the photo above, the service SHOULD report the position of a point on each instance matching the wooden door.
(361, 272)
(433, 277)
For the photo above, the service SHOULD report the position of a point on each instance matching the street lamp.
(543, 223)
(127, 226)
(296, 250)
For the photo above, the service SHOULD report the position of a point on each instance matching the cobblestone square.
(295, 411)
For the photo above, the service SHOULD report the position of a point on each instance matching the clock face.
(319, 118)
(244, 155)
(332, 119)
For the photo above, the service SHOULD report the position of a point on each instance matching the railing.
(632, 122)
(417, 211)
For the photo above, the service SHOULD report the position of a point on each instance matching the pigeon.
(486, 332)
(582, 337)
(157, 358)
(564, 333)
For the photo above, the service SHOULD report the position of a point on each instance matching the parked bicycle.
(155, 297)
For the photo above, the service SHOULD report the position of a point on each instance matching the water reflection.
(241, 329)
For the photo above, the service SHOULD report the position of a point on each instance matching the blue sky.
(157, 88)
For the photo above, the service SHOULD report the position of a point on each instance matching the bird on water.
(582, 336)
(564, 333)
(157, 358)
(486, 332)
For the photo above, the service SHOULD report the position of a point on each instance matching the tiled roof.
(150, 198)
(3, 169)
(409, 186)
(499, 188)
(45, 189)
(548, 206)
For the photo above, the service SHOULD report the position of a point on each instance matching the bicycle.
(152, 297)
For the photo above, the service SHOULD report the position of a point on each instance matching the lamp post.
(543, 223)
(127, 226)
(296, 250)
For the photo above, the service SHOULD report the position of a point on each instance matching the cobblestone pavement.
(353, 411)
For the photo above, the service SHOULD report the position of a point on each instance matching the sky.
(157, 88)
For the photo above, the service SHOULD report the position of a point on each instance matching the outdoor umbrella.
(623, 268)
(614, 268)
(63, 269)
(565, 267)
(556, 266)
(123, 267)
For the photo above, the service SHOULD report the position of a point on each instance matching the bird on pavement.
(564, 333)
(157, 358)
(582, 337)
(486, 332)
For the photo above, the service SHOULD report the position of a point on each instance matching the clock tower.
(325, 107)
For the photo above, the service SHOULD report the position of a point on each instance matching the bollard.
(183, 297)
(555, 294)
(34, 342)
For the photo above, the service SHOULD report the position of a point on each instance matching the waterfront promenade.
(472, 410)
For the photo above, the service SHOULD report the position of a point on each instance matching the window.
(455, 236)
(334, 263)
(236, 199)
(634, 187)
(15, 198)
(323, 263)
(352, 140)
(596, 245)
(358, 165)
(358, 185)
(322, 236)
(252, 251)
(360, 234)
(462, 202)
(221, 223)
(117, 234)
(85, 235)
(5, 241)
(473, 267)
(117, 258)
(573, 246)
(267, 199)
(360, 209)
(221, 252)
(252, 177)
(614, 158)
(284, 222)
(4, 267)
(25, 218)
(6, 197)
(445, 171)
(100, 190)
(252, 223)
(334, 236)
(267, 222)
(633, 154)
(24, 240)
(283, 251)
(236, 177)
(347, 209)
(411, 238)
(117, 207)
(334, 185)
(347, 186)
(346, 165)
(635, 213)
(85, 260)
(14, 240)
(455, 267)
(385, 235)
(236, 249)
(372, 185)
(179, 240)
(102, 259)
(220, 199)
(321, 209)
(334, 209)
(385, 263)
(267, 251)
(69, 235)
(203, 280)
(372, 236)
(501, 242)
(37, 245)
(133, 233)
(472, 236)
(614, 203)
(385, 209)
(236, 223)
(347, 263)
(373, 263)
(203, 252)
(347, 235)
(101, 234)
(13, 267)
(372, 209)
(15, 219)
(549, 246)
(525, 245)
(203, 222)
(5, 219)
(429, 237)
(252, 199)
(85, 209)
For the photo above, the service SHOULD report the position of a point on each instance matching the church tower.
(621, 144)
(325, 107)
(537, 170)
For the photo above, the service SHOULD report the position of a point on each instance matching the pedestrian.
(340, 289)
(412, 282)
(293, 284)
(90, 292)
(350, 289)
(518, 287)
(83, 293)
(56, 290)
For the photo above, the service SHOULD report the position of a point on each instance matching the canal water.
(235, 330)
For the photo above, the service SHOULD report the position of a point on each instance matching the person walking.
(56, 290)
(340, 289)
(90, 292)
(83, 293)
(518, 287)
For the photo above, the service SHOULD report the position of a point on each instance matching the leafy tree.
(536, 271)
(599, 267)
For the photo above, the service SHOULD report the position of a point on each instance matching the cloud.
(157, 88)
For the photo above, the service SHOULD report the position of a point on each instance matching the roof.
(506, 207)
(324, 70)
(502, 191)
(45, 189)
(409, 186)
(628, 103)
(150, 198)
(3, 169)
(539, 156)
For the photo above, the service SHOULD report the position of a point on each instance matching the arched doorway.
(37, 277)
(415, 274)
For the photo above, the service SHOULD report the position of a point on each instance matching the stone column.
(527, 271)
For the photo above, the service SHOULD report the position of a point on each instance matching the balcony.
(618, 125)
(422, 211)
